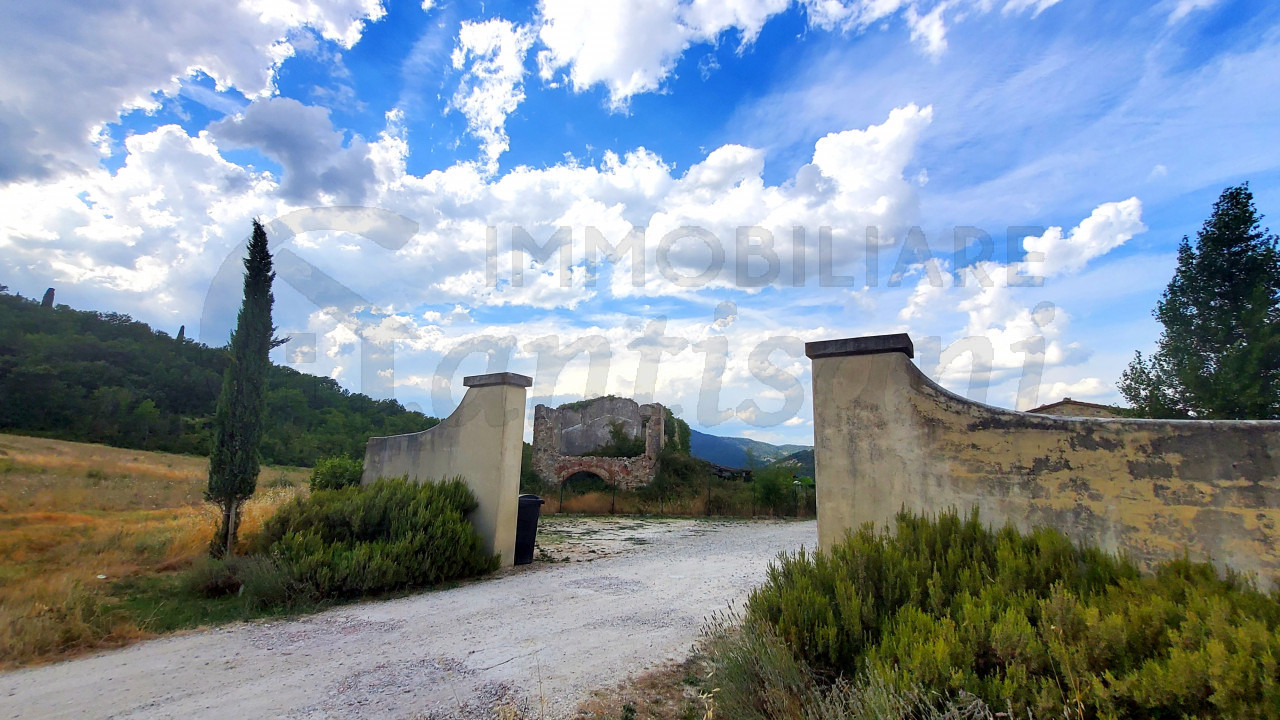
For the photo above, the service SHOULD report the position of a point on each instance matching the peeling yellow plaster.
(886, 438)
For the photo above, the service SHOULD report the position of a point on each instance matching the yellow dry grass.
(604, 503)
(667, 692)
(75, 517)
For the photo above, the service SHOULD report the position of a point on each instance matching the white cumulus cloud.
(491, 54)
(71, 67)
(1109, 226)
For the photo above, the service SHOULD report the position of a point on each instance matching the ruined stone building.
(565, 437)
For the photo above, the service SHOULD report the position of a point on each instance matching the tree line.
(104, 377)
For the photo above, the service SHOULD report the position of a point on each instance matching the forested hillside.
(801, 463)
(103, 377)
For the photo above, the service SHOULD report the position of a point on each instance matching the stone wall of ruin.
(561, 436)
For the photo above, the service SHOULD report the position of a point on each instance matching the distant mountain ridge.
(738, 452)
(800, 463)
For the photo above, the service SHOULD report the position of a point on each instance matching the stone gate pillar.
(480, 441)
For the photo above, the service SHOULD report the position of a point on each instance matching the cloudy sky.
(656, 198)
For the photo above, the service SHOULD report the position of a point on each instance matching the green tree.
(1219, 354)
(237, 423)
(144, 422)
(772, 488)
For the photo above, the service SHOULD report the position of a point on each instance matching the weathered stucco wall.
(887, 437)
(561, 435)
(481, 442)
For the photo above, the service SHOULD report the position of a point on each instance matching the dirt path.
(633, 593)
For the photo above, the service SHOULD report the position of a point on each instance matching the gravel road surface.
(628, 594)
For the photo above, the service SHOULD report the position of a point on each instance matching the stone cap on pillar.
(502, 378)
(866, 345)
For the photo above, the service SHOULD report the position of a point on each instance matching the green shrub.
(1029, 622)
(677, 434)
(530, 481)
(265, 584)
(679, 470)
(755, 676)
(773, 490)
(730, 498)
(389, 535)
(336, 472)
(621, 444)
(211, 578)
(258, 579)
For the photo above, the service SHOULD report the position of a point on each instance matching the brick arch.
(607, 469)
(625, 473)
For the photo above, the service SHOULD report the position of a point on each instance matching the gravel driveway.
(627, 594)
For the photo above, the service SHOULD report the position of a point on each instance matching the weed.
(258, 579)
(59, 615)
(265, 585)
(153, 546)
(162, 603)
(210, 578)
(279, 480)
(658, 694)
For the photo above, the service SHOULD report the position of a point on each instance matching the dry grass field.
(604, 503)
(91, 538)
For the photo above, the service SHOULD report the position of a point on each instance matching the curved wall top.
(480, 441)
(887, 437)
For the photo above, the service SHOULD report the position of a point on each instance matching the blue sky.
(133, 155)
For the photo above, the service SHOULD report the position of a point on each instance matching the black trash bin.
(527, 527)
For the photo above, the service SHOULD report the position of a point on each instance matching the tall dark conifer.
(1219, 355)
(237, 423)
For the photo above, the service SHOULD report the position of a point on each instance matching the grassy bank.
(92, 537)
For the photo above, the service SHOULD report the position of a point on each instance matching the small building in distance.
(1066, 407)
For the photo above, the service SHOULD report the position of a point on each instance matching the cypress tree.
(237, 422)
(1219, 354)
